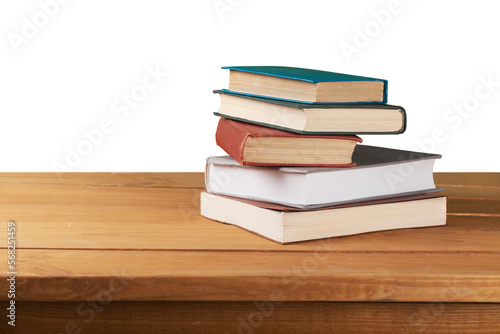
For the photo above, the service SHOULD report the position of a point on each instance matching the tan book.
(313, 119)
(307, 85)
(286, 224)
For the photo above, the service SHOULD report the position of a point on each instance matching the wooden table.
(129, 253)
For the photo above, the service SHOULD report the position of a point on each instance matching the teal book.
(313, 119)
(305, 85)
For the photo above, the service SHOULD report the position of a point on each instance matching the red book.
(256, 145)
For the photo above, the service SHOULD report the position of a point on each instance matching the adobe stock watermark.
(370, 30)
(452, 119)
(429, 313)
(11, 272)
(218, 182)
(32, 25)
(222, 7)
(122, 107)
(454, 116)
(87, 311)
(291, 280)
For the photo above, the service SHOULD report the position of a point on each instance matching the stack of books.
(295, 170)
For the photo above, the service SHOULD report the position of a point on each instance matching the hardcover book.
(251, 144)
(379, 173)
(305, 118)
(285, 224)
(306, 85)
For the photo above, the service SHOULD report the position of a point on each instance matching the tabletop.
(107, 249)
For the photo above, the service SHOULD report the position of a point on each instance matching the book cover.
(305, 106)
(302, 74)
(308, 75)
(232, 136)
(374, 201)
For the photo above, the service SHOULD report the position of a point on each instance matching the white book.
(379, 173)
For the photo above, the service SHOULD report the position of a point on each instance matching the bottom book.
(287, 224)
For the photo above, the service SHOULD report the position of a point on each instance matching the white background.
(69, 73)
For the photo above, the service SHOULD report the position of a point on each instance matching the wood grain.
(473, 222)
(137, 241)
(474, 206)
(149, 180)
(467, 179)
(196, 180)
(473, 192)
(108, 217)
(48, 275)
(256, 317)
(138, 232)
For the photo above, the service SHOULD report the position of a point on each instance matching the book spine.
(403, 125)
(231, 138)
(384, 96)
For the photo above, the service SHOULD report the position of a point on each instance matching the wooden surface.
(261, 317)
(138, 239)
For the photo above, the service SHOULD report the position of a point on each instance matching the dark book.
(251, 144)
(285, 224)
(307, 85)
(379, 173)
(307, 118)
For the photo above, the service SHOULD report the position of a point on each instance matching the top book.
(305, 85)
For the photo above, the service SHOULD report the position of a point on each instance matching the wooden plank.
(169, 219)
(76, 275)
(65, 194)
(129, 227)
(196, 180)
(473, 206)
(473, 222)
(469, 179)
(149, 180)
(255, 317)
(473, 192)
(12, 193)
